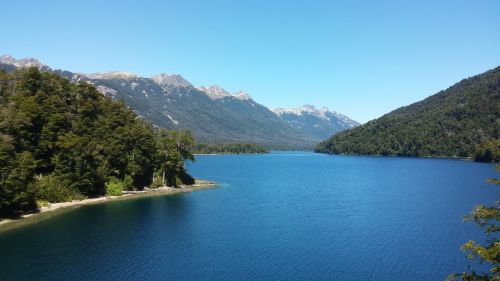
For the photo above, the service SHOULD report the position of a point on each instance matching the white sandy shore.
(165, 190)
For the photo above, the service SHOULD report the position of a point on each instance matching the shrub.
(157, 181)
(53, 190)
(115, 187)
(128, 183)
(42, 203)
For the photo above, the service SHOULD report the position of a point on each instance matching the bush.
(50, 188)
(128, 183)
(115, 187)
(157, 181)
(42, 203)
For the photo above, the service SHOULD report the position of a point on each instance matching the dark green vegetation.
(228, 148)
(487, 218)
(450, 123)
(488, 151)
(61, 141)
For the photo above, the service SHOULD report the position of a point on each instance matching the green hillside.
(450, 123)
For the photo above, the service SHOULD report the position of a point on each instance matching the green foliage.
(115, 187)
(75, 140)
(173, 150)
(42, 203)
(16, 173)
(228, 148)
(79, 163)
(185, 178)
(128, 182)
(488, 151)
(51, 189)
(157, 181)
(450, 123)
(487, 218)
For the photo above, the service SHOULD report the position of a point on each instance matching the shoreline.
(222, 154)
(403, 156)
(54, 209)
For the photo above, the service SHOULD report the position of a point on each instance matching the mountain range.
(321, 123)
(210, 112)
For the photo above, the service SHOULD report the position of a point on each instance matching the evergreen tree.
(16, 173)
(173, 151)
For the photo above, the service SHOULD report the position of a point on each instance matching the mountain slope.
(170, 101)
(223, 120)
(449, 123)
(320, 123)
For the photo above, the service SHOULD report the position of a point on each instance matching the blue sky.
(361, 58)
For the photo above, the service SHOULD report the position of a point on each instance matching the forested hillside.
(61, 141)
(450, 123)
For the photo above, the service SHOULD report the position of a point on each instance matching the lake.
(280, 216)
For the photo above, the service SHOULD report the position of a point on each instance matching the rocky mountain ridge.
(213, 114)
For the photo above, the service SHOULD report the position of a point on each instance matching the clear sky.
(361, 58)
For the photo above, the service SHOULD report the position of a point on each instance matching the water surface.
(281, 216)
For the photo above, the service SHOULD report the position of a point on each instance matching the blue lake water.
(281, 216)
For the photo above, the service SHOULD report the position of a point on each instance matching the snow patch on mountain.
(171, 80)
(216, 92)
(321, 122)
(242, 96)
(172, 119)
(22, 63)
(323, 113)
(306, 109)
(112, 75)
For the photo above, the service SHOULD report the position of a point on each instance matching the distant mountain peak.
(171, 79)
(242, 95)
(320, 121)
(214, 91)
(112, 74)
(307, 108)
(26, 62)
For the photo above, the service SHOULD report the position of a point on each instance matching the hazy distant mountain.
(450, 123)
(170, 101)
(321, 123)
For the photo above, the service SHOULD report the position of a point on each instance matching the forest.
(461, 121)
(61, 141)
(229, 148)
